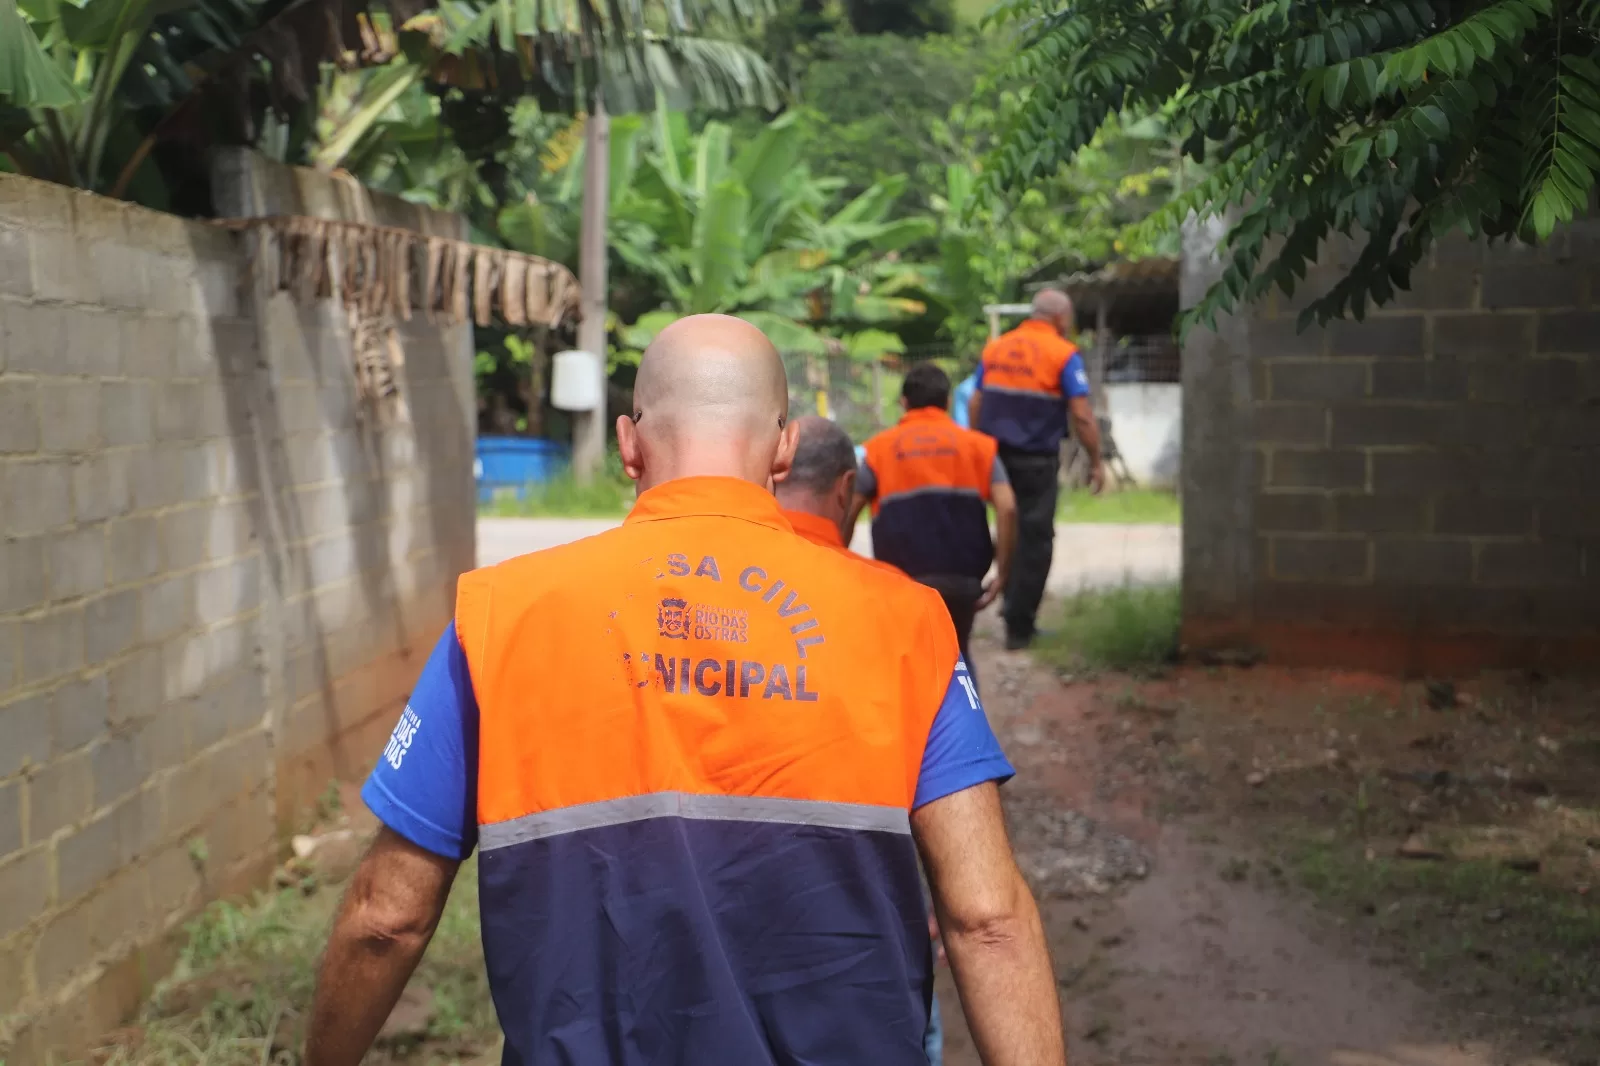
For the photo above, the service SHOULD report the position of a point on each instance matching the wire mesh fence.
(859, 393)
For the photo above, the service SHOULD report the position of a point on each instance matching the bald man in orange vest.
(697, 757)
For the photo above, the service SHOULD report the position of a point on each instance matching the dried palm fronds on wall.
(375, 344)
(385, 270)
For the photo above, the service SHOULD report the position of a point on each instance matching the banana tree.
(558, 51)
(68, 74)
(743, 232)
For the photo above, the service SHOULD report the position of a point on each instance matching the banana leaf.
(717, 254)
(28, 76)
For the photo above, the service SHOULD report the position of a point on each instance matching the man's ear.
(783, 461)
(904, 406)
(844, 490)
(628, 447)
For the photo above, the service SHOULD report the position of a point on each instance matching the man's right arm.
(992, 932)
(424, 791)
(1085, 428)
(975, 401)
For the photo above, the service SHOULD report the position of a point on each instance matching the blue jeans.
(933, 1039)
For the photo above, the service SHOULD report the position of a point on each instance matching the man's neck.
(728, 460)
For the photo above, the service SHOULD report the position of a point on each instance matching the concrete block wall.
(1419, 491)
(218, 575)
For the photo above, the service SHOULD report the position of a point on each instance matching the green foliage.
(1395, 120)
(244, 982)
(484, 56)
(872, 107)
(1072, 220)
(705, 225)
(82, 85)
(609, 495)
(1132, 628)
(1123, 507)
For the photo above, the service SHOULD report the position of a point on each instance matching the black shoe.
(1017, 641)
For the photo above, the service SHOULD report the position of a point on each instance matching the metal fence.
(861, 394)
(1135, 359)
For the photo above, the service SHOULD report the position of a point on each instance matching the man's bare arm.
(974, 405)
(384, 924)
(1086, 431)
(992, 933)
(1005, 520)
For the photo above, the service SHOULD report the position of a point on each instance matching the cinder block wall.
(219, 574)
(1416, 492)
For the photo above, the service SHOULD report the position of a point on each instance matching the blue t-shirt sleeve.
(1074, 378)
(962, 750)
(977, 376)
(425, 786)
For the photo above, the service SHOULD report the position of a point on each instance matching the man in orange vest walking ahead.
(694, 754)
(1030, 382)
(930, 483)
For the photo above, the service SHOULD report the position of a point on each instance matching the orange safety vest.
(1023, 406)
(930, 513)
(819, 530)
(699, 742)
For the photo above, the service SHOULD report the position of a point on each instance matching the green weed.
(242, 990)
(1131, 629)
(1124, 507)
(606, 496)
(1465, 920)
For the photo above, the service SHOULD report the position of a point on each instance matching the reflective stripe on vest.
(699, 741)
(930, 515)
(1022, 403)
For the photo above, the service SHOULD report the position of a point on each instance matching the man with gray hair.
(816, 499)
(816, 495)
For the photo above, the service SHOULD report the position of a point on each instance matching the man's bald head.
(1055, 307)
(710, 399)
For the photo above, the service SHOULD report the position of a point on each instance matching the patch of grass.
(247, 974)
(1136, 507)
(562, 497)
(1481, 929)
(1131, 629)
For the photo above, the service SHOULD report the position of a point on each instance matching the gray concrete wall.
(219, 574)
(1147, 422)
(1416, 492)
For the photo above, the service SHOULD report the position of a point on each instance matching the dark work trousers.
(1035, 478)
(960, 595)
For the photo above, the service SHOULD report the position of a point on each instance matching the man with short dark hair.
(1030, 382)
(929, 483)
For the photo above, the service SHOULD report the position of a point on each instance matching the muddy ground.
(1274, 867)
(1236, 866)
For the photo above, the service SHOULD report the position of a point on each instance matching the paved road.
(1086, 555)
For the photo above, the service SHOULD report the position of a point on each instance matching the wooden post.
(589, 427)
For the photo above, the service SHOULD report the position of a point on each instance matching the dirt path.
(1191, 963)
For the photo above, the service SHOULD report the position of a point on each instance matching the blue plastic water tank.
(516, 462)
